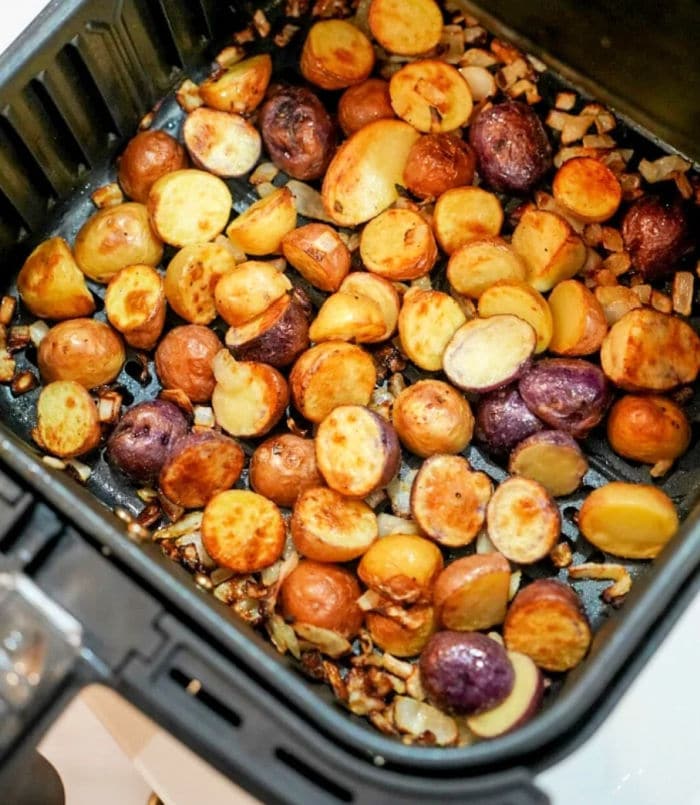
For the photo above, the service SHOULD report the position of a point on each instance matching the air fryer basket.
(73, 90)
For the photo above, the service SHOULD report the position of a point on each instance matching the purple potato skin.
(465, 672)
(511, 146)
(298, 132)
(568, 394)
(503, 420)
(657, 235)
(142, 441)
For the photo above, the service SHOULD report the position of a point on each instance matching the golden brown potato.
(67, 423)
(588, 189)
(517, 298)
(260, 229)
(381, 291)
(432, 417)
(184, 361)
(318, 254)
(398, 245)
(578, 320)
(648, 429)
(114, 238)
(135, 305)
(336, 55)
(348, 317)
(464, 214)
(284, 466)
(439, 162)
(83, 350)
(406, 27)
(323, 595)
(363, 104)
(248, 290)
(403, 639)
(479, 264)
(427, 322)
(51, 284)
(241, 87)
(222, 143)
(148, 156)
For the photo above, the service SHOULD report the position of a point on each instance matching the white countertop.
(645, 752)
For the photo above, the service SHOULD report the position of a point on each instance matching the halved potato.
(192, 277)
(431, 95)
(427, 322)
(336, 54)
(477, 265)
(51, 285)
(578, 320)
(519, 299)
(406, 27)
(403, 567)
(241, 87)
(550, 248)
(248, 290)
(381, 291)
(318, 254)
(222, 143)
(553, 459)
(361, 179)
(189, 206)
(331, 374)
(588, 189)
(135, 305)
(348, 316)
(398, 245)
(403, 639)
(465, 214)
(260, 229)
(67, 423)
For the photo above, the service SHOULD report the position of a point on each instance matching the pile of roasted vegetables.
(436, 256)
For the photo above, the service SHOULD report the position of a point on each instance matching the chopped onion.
(399, 491)
(326, 641)
(615, 572)
(308, 201)
(265, 172)
(484, 544)
(107, 196)
(188, 524)
(37, 331)
(188, 97)
(683, 290)
(515, 579)
(8, 305)
(477, 57)
(204, 416)
(283, 636)
(390, 524)
(663, 168)
(417, 718)
(481, 83)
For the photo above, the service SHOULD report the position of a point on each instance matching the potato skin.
(298, 132)
(439, 162)
(323, 595)
(503, 420)
(284, 466)
(364, 103)
(84, 350)
(144, 437)
(148, 156)
(648, 428)
(184, 361)
(400, 640)
(656, 233)
(511, 146)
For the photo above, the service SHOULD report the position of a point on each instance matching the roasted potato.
(260, 229)
(318, 254)
(248, 290)
(464, 214)
(135, 305)
(84, 350)
(552, 458)
(222, 143)
(241, 87)
(362, 283)
(405, 637)
(363, 103)
(438, 162)
(283, 467)
(114, 238)
(427, 322)
(405, 27)
(503, 419)
(349, 316)
(336, 54)
(148, 156)
(588, 189)
(184, 361)
(517, 298)
(479, 264)
(298, 132)
(398, 245)
(66, 420)
(578, 319)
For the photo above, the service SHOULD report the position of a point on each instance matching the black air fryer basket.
(72, 90)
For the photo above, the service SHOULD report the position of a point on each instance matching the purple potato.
(503, 420)
(465, 672)
(511, 146)
(142, 441)
(657, 235)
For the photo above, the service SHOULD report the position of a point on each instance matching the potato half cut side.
(588, 189)
(406, 27)
(329, 527)
(249, 398)
(634, 521)
(260, 229)
(242, 531)
(200, 466)
(381, 291)
(398, 245)
(448, 500)
(471, 593)
(356, 451)
(553, 459)
(578, 320)
(399, 639)
(485, 354)
(431, 95)
(362, 177)
(241, 87)
(331, 374)
(191, 279)
(519, 706)
(547, 622)
(523, 521)
(479, 264)
(248, 290)
(336, 54)
(51, 284)
(222, 143)
(189, 206)
(427, 322)
(318, 254)
(349, 316)
(67, 423)
(517, 298)
(465, 214)
(135, 305)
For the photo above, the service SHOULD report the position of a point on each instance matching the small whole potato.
(298, 132)
(184, 361)
(432, 417)
(284, 466)
(84, 350)
(503, 419)
(323, 595)
(648, 429)
(656, 233)
(148, 156)
(364, 103)
(144, 437)
(439, 162)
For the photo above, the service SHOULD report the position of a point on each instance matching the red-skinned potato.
(184, 360)
(438, 162)
(318, 254)
(148, 156)
(282, 467)
(364, 103)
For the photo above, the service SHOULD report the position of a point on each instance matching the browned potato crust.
(184, 360)
(318, 254)
(406, 27)
(648, 429)
(588, 189)
(148, 156)
(241, 87)
(438, 162)
(67, 423)
(336, 55)
(399, 639)
(135, 305)
(283, 467)
(364, 103)
(398, 245)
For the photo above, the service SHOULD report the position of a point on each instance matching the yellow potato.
(348, 317)
(521, 300)
(336, 54)
(578, 320)
(135, 305)
(249, 290)
(241, 87)
(398, 245)
(67, 423)
(318, 254)
(465, 214)
(479, 264)
(381, 291)
(427, 322)
(406, 27)
(260, 229)
(588, 189)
